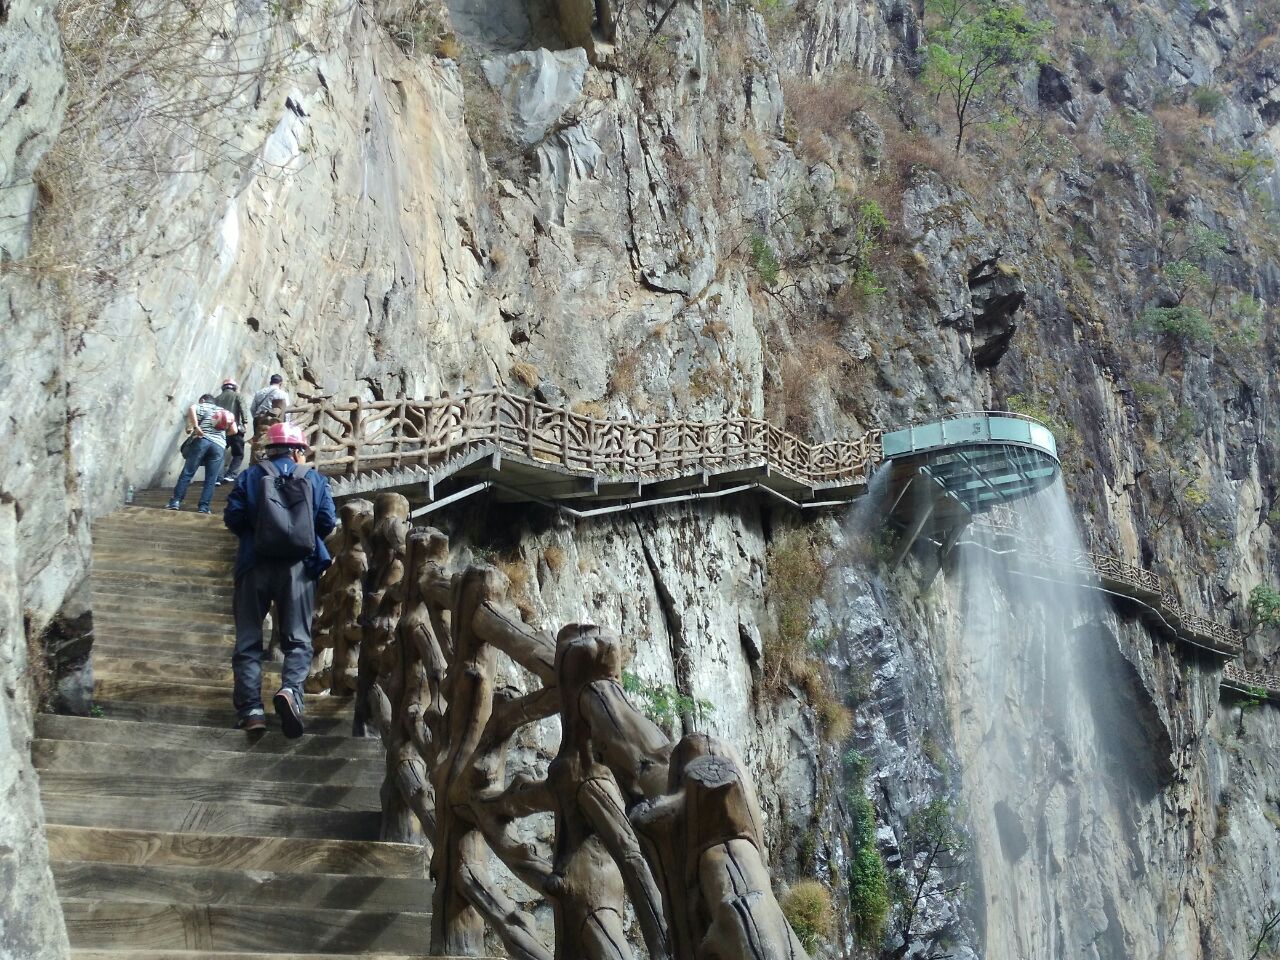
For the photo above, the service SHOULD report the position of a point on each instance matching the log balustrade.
(450, 677)
(359, 436)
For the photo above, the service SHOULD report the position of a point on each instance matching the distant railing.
(356, 436)
(1125, 578)
(1133, 581)
(1250, 680)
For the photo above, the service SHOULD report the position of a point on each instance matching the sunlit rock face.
(348, 206)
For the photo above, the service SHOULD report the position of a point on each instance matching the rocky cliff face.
(685, 218)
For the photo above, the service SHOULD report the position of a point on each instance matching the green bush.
(764, 260)
(1264, 607)
(1208, 101)
(663, 703)
(807, 907)
(868, 884)
(1134, 136)
(975, 53)
(1185, 323)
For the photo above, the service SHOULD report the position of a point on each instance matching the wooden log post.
(341, 599)
(353, 440)
(457, 926)
(597, 853)
(383, 602)
(564, 437)
(705, 842)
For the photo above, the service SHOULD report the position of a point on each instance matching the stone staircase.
(171, 834)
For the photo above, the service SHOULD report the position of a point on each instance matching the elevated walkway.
(1140, 590)
(945, 472)
(523, 449)
(436, 451)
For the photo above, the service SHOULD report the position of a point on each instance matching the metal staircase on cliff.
(173, 836)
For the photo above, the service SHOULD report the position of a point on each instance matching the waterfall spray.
(1054, 769)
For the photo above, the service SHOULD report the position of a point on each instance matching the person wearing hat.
(281, 510)
(269, 403)
(229, 400)
(208, 427)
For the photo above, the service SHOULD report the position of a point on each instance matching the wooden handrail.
(351, 436)
(1143, 585)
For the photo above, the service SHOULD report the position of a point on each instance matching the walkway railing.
(1129, 580)
(356, 436)
(1250, 681)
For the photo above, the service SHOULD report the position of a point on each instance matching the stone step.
(206, 674)
(69, 756)
(196, 564)
(151, 633)
(349, 798)
(222, 955)
(144, 600)
(190, 738)
(272, 854)
(112, 881)
(121, 924)
(182, 694)
(215, 650)
(208, 529)
(159, 495)
(144, 549)
(172, 714)
(237, 819)
(130, 584)
(161, 613)
(212, 537)
(212, 572)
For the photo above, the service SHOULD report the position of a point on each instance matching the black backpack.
(286, 525)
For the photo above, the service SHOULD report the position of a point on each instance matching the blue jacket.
(241, 514)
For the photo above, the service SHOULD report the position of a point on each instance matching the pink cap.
(286, 435)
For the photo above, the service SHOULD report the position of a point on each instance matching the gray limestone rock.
(32, 98)
(30, 919)
(539, 87)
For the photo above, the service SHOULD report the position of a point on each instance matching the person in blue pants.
(210, 425)
(261, 581)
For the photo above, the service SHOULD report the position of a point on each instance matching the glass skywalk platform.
(944, 472)
(981, 458)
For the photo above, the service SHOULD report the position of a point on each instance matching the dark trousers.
(293, 591)
(235, 455)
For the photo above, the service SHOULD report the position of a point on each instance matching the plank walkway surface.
(172, 836)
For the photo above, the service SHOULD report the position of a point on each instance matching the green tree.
(975, 50)
(933, 842)
(1264, 607)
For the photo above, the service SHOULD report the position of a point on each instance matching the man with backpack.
(281, 510)
(229, 400)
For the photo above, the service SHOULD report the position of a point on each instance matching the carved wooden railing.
(357, 436)
(1250, 681)
(671, 829)
(1130, 580)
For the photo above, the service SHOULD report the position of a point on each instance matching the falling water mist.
(1056, 764)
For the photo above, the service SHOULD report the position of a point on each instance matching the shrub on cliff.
(868, 884)
(807, 907)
